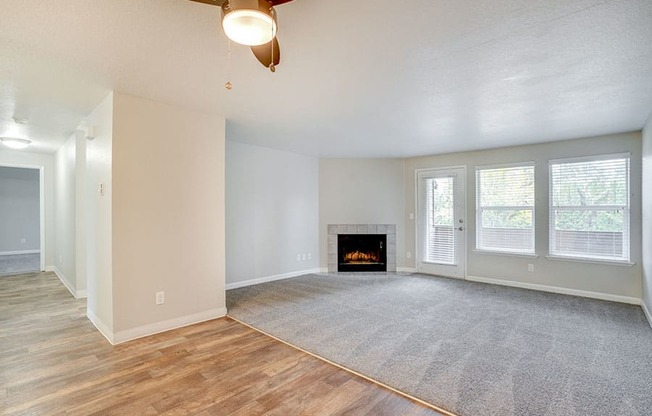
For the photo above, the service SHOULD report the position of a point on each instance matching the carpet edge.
(272, 278)
(406, 395)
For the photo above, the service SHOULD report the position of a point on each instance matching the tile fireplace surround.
(335, 229)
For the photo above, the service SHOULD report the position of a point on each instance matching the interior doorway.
(21, 220)
(441, 219)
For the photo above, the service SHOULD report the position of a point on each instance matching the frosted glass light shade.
(249, 27)
(14, 142)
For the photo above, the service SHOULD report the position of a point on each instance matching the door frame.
(41, 180)
(417, 245)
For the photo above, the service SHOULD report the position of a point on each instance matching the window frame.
(480, 209)
(552, 209)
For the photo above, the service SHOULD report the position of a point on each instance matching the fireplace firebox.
(362, 252)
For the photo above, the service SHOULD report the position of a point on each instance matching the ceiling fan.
(252, 23)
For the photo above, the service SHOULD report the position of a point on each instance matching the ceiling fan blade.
(221, 2)
(218, 3)
(264, 54)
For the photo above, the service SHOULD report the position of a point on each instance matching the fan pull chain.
(228, 84)
(272, 67)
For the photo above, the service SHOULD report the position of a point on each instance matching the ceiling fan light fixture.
(249, 23)
(15, 142)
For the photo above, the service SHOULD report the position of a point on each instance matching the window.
(505, 208)
(589, 208)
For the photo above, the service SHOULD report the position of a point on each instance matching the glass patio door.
(441, 222)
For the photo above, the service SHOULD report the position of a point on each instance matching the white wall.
(64, 213)
(80, 215)
(613, 280)
(69, 214)
(168, 216)
(647, 217)
(361, 191)
(98, 219)
(271, 213)
(46, 162)
(20, 210)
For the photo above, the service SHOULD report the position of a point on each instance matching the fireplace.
(388, 231)
(362, 252)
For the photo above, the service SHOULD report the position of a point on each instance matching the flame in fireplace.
(360, 257)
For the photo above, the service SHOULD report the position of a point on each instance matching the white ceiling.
(362, 78)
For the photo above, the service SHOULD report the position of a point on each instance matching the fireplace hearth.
(362, 252)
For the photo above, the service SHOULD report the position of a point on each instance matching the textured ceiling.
(357, 78)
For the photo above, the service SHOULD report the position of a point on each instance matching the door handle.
(460, 229)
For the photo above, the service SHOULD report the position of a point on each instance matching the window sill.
(590, 260)
(506, 253)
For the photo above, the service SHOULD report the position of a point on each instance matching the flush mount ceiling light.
(251, 27)
(15, 142)
(252, 23)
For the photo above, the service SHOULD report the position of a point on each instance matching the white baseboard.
(13, 253)
(266, 279)
(62, 277)
(78, 294)
(648, 315)
(101, 326)
(555, 289)
(163, 326)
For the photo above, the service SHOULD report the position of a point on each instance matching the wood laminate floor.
(54, 362)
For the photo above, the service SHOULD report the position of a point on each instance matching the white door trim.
(41, 184)
(463, 216)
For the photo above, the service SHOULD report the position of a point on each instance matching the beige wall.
(98, 218)
(647, 217)
(272, 213)
(624, 281)
(361, 191)
(168, 216)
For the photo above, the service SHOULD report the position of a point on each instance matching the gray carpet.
(470, 348)
(19, 263)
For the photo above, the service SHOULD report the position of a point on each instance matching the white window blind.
(439, 209)
(589, 208)
(505, 209)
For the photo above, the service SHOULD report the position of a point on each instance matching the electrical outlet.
(160, 298)
(309, 256)
(530, 267)
(408, 254)
(411, 215)
(23, 241)
(298, 257)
